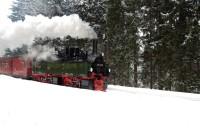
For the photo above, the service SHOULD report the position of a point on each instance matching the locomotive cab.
(72, 54)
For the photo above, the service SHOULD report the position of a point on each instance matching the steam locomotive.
(72, 68)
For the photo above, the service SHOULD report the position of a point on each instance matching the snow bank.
(32, 107)
(154, 92)
(15, 34)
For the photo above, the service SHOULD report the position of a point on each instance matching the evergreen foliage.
(16, 52)
(170, 45)
(122, 47)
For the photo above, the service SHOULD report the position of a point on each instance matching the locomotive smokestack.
(95, 47)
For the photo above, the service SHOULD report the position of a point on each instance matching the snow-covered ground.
(33, 107)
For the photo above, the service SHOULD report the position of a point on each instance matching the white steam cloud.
(15, 34)
(42, 53)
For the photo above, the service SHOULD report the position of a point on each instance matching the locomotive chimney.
(95, 47)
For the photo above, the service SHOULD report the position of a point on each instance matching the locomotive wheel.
(87, 84)
(105, 84)
(91, 85)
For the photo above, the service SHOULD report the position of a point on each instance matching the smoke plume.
(40, 53)
(15, 34)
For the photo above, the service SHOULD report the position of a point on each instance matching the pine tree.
(20, 9)
(187, 27)
(132, 24)
(114, 32)
(168, 29)
(150, 24)
(49, 8)
(17, 51)
(121, 36)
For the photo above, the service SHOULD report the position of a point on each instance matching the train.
(71, 68)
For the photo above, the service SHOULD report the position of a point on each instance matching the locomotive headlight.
(91, 69)
(109, 70)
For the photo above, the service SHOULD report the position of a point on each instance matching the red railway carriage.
(6, 66)
(16, 66)
(22, 67)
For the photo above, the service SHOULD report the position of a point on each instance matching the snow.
(33, 107)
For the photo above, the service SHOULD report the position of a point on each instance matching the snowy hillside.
(32, 107)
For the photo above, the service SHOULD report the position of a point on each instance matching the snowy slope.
(159, 93)
(32, 107)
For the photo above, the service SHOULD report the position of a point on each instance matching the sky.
(4, 7)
